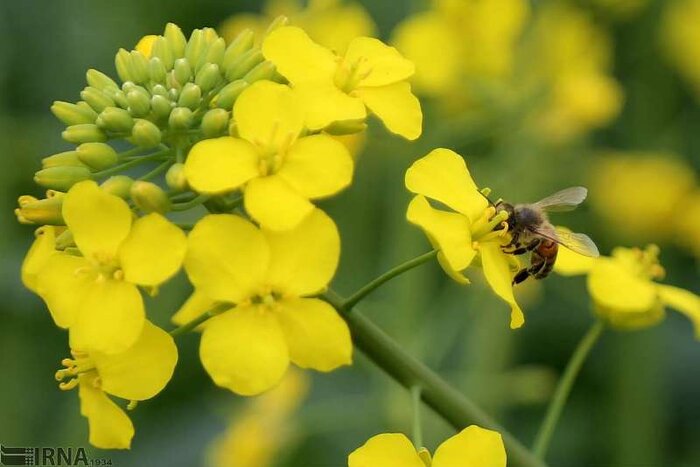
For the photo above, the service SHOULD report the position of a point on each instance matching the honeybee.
(532, 232)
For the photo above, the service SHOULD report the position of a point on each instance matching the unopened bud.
(228, 95)
(40, 211)
(139, 102)
(156, 70)
(182, 71)
(264, 70)
(118, 185)
(73, 114)
(161, 107)
(175, 177)
(69, 158)
(246, 62)
(61, 178)
(215, 53)
(159, 90)
(195, 47)
(149, 197)
(122, 62)
(115, 119)
(145, 134)
(162, 51)
(215, 123)
(83, 133)
(180, 118)
(99, 80)
(96, 98)
(208, 77)
(98, 156)
(190, 96)
(139, 67)
(346, 127)
(119, 97)
(176, 39)
(145, 45)
(241, 44)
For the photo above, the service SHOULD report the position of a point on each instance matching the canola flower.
(136, 374)
(472, 447)
(679, 37)
(471, 230)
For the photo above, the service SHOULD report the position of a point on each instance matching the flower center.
(348, 75)
(491, 226)
(81, 363)
(266, 299)
(642, 263)
(273, 151)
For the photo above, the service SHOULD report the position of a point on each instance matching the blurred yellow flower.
(472, 447)
(623, 289)
(279, 169)
(331, 23)
(681, 39)
(137, 374)
(458, 40)
(687, 226)
(467, 231)
(639, 195)
(335, 89)
(95, 295)
(267, 277)
(266, 425)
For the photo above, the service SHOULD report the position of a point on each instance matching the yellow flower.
(623, 289)
(137, 374)
(472, 447)
(370, 74)
(687, 226)
(331, 23)
(279, 169)
(266, 276)
(145, 44)
(681, 38)
(95, 295)
(256, 436)
(467, 231)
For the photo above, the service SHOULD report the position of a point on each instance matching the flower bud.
(215, 123)
(195, 47)
(118, 185)
(176, 39)
(115, 119)
(61, 178)
(241, 44)
(83, 133)
(162, 51)
(180, 118)
(149, 197)
(190, 96)
(65, 240)
(68, 158)
(264, 70)
(99, 80)
(139, 67)
(182, 71)
(175, 177)
(246, 62)
(96, 98)
(73, 114)
(228, 95)
(145, 134)
(208, 77)
(346, 127)
(139, 103)
(98, 156)
(159, 90)
(122, 61)
(161, 107)
(41, 211)
(156, 70)
(215, 53)
(119, 97)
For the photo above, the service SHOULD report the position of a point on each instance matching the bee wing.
(576, 242)
(564, 200)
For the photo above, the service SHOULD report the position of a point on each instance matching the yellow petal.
(379, 63)
(570, 263)
(226, 258)
(145, 45)
(396, 107)
(447, 231)
(153, 251)
(110, 317)
(62, 283)
(324, 104)
(99, 221)
(221, 164)
(303, 260)
(472, 447)
(244, 350)
(497, 272)
(42, 249)
(268, 115)
(684, 301)
(614, 287)
(274, 204)
(386, 450)
(196, 304)
(143, 370)
(110, 427)
(317, 166)
(443, 176)
(297, 57)
(316, 335)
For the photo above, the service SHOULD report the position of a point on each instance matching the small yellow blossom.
(472, 447)
(467, 231)
(623, 289)
(137, 374)
(681, 39)
(95, 295)
(267, 277)
(278, 169)
(145, 45)
(255, 437)
(332, 88)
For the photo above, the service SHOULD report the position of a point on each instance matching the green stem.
(190, 325)
(450, 404)
(355, 298)
(561, 394)
(190, 204)
(158, 170)
(417, 426)
(131, 163)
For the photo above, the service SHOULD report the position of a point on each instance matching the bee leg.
(524, 249)
(514, 241)
(523, 274)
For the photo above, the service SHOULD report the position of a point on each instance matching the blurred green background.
(527, 126)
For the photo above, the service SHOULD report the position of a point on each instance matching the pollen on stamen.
(118, 275)
(68, 385)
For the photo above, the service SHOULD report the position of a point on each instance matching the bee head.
(526, 216)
